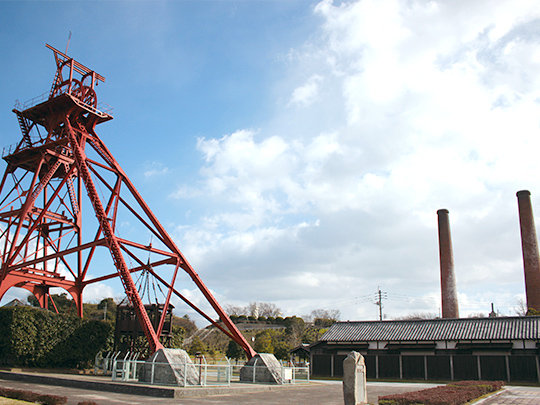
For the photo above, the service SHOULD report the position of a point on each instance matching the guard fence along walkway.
(199, 374)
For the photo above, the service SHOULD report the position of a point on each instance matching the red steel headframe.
(61, 166)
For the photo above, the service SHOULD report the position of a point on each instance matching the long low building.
(499, 348)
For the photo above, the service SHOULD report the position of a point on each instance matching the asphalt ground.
(315, 393)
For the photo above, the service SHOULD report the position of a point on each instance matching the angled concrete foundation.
(171, 367)
(266, 368)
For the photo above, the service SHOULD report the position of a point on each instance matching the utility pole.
(381, 295)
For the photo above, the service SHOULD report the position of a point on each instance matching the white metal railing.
(102, 108)
(256, 374)
(104, 365)
(184, 374)
(32, 102)
(202, 374)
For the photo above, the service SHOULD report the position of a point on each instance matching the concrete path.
(314, 393)
(318, 392)
(514, 396)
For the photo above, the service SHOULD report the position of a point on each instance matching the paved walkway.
(316, 393)
(514, 396)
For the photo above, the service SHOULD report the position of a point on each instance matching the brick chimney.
(529, 247)
(448, 279)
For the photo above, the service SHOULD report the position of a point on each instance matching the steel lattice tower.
(62, 198)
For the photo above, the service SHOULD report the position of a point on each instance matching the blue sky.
(298, 151)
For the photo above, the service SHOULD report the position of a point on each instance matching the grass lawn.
(9, 401)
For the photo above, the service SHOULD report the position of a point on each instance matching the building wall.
(515, 365)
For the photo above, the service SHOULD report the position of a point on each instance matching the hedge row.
(30, 396)
(33, 337)
(452, 394)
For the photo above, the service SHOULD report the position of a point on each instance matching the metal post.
(153, 370)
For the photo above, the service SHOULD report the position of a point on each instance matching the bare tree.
(331, 314)
(255, 309)
(252, 309)
(521, 307)
(418, 315)
(235, 311)
(477, 315)
(267, 309)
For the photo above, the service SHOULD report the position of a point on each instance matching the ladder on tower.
(25, 128)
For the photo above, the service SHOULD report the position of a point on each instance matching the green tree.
(323, 322)
(235, 351)
(294, 329)
(178, 335)
(187, 323)
(63, 304)
(106, 310)
(281, 350)
(197, 346)
(311, 335)
(263, 343)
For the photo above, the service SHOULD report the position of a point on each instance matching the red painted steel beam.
(70, 125)
(129, 285)
(101, 242)
(237, 336)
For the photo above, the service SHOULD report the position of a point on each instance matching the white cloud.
(155, 169)
(97, 291)
(307, 93)
(441, 111)
(391, 110)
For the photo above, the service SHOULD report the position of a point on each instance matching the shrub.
(30, 396)
(62, 341)
(452, 394)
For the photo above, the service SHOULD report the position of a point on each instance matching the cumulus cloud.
(155, 169)
(440, 103)
(307, 93)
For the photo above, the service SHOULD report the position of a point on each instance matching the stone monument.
(266, 368)
(354, 379)
(170, 367)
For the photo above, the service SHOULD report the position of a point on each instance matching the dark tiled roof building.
(501, 348)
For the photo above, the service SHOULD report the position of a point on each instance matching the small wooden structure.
(129, 330)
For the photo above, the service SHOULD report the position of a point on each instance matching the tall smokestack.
(448, 278)
(529, 247)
